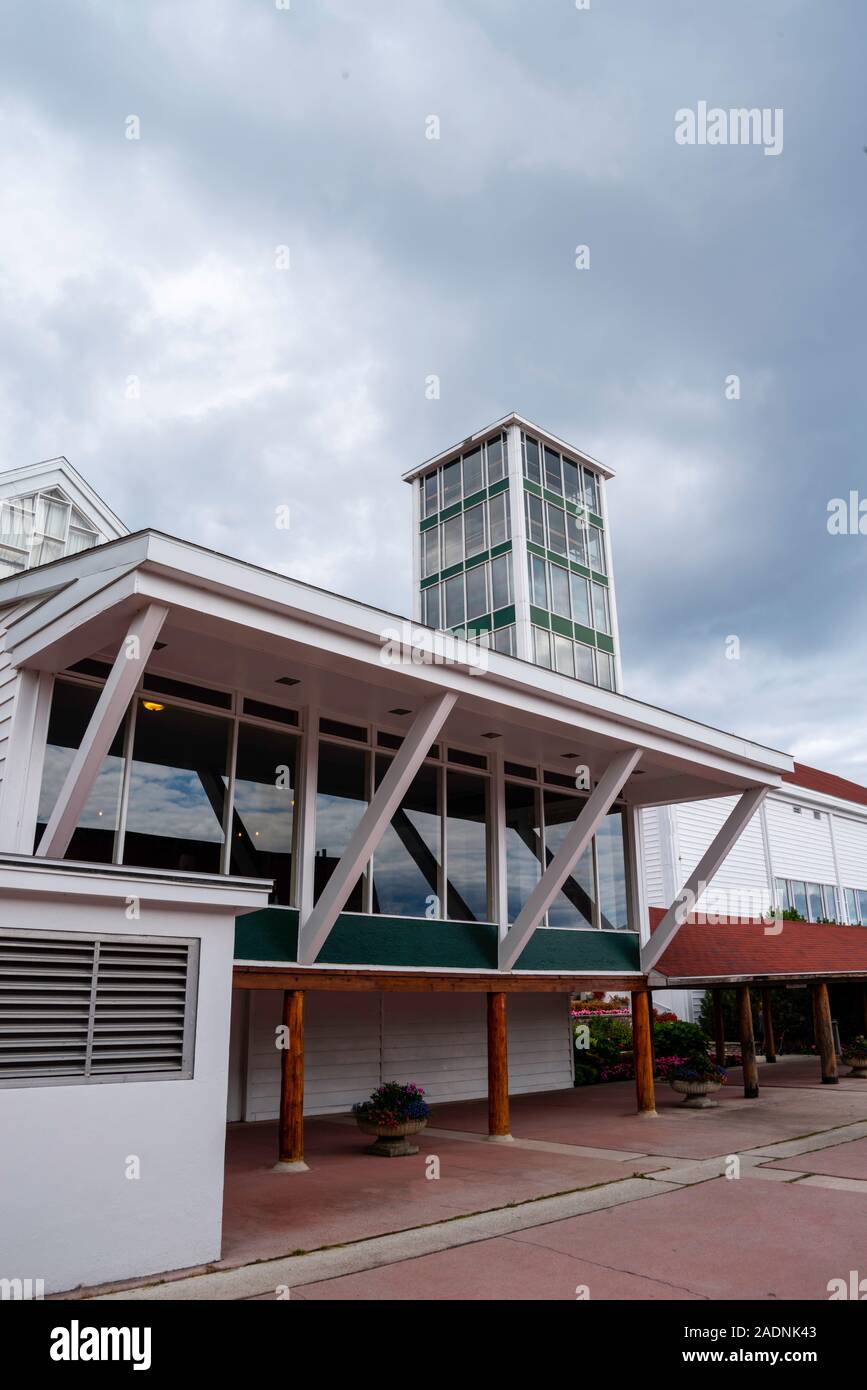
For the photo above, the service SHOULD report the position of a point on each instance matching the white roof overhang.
(233, 624)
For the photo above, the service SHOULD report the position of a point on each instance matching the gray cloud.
(259, 387)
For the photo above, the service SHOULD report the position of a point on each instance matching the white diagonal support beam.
(595, 808)
(706, 868)
(370, 829)
(129, 664)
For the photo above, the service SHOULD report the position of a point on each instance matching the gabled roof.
(513, 418)
(59, 472)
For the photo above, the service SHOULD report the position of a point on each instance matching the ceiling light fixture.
(286, 680)
(492, 735)
(400, 711)
(152, 706)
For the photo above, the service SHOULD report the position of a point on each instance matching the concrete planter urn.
(855, 1057)
(857, 1062)
(392, 1140)
(395, 1111)
(696, 1094)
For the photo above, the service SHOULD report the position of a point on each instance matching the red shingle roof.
(747, 948)
(826, 782)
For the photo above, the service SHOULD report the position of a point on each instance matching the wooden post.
(291, 1123)
(768, 1022)
(748, 1044)
(824, 1034)
(719, 1027)
(642, 1049)
(498, 1070)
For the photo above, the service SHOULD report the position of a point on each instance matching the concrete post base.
(501, 1139)
(290, 1168)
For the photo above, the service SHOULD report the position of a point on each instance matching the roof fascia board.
(476, 690)
(795, 795)
(73, 608)
(57, 574)
(512, 419)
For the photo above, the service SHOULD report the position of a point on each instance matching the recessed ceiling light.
(286, 680)
(152, 706)
(570, 756)
(158, 646)
(492, 735)
(400, 711)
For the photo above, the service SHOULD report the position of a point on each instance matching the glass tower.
(511, 540)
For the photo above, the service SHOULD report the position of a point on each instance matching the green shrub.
(679, 1040)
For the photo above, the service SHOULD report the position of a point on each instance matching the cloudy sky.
(257, 386)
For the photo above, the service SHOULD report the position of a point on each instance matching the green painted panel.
(555, 497)
(358, 939)
(539, 616)
(501, 486)
(597, 520)
(504, 616)
(480, 624)
(561, 625)
(600, 578)
(553, 949)
(270, 934)
(584, 634)
(535, 549)
(452, 570)
(453, 510)
(477, 560)
(572, 507)
(475, 499)
(605, 643)
(431, 579)
(556, 559)
(532, 487)
(579, 569)
(502, 549)
(428, 522)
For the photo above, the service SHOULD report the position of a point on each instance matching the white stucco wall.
(68, 1213)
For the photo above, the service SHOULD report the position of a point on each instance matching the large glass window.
(573, 905)
(431, 544)
(556, 529)
(532, 467)
(266, 782)
(523, 844)
(454, 600)
(814, 901)
(474, 531)
(496, 459)
(576, 539)
(177, 789)
(477, 592)
(605, 670)
(341, 800)
(601, 616)
(535, 522)
(432, 606)
(597, 550)
(591, 490)
(498, 512)
(559, 590)
(431, 493)
(862, 905)
(93, 837)
(563, 658)
(571, 481)
(474, 476)
(451, 483)
(611, 869)
(542, 646)
(406, 863)
(553, 478)
(580, 599)
(538, 582)
(453, 541)
(584, 668)
(501, 581)
(504, 640)
(467, 894)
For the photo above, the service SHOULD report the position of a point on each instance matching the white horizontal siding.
(741, 885)
(653, 847)
(800, 843)
(353, 1042)
(850, 837)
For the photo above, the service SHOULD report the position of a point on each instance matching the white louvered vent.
(90, 1008)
